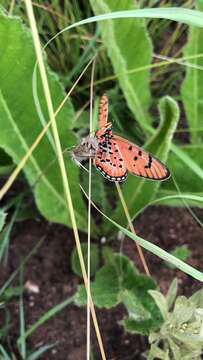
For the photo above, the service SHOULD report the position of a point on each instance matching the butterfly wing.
(109, 162)
(103, 111)
(139, 162)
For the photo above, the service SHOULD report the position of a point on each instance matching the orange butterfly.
(115, 156)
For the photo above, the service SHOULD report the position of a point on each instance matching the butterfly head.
(86, 149)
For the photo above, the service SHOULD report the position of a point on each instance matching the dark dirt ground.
(50, 270)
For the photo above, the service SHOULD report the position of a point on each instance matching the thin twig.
(61, 160)
(125, 208)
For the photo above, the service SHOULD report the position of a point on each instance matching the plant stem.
(125, 208)
(89, 216)
(61, 160)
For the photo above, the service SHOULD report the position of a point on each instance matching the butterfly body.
(115, 156)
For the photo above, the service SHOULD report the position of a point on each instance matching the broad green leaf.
(129, 48)
(133, 304)
(94, 259)
(20, 125)
(5, 163)
(118, 282)
(140, 327)
(2, 218)
(161, 302)
(109, 281)
(145, 190)
(192, 86)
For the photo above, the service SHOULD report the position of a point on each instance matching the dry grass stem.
(61, 161)
(139, 249)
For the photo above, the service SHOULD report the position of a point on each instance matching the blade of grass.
(22, 318)
(61, 161)
(37, 354)
(180, 61)
(4, 239)
(49, 314)
(25, 260)
(5, 355)
(139, 249)
(154, 249)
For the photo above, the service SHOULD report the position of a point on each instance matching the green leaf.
(5, 163)
(192, 86)
(133, 304)
(118, 282)
(181, 252)
(197, 298)
(129, 48)
(172, 293)
(20, 126)
(109, 281)
(94, 259)
(2, 218)
(183, 310)
(161, 302)
(156, 353)
(159, 145)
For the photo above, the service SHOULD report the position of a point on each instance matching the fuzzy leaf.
(197, 298)
(192, 86)
(161, 302)
(159, 145)
(129, 48)
(172, 293)
(20, 125)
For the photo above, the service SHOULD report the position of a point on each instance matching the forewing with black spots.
(139, 162)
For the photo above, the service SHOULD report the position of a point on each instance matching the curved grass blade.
(156, 250)
(50, 313)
